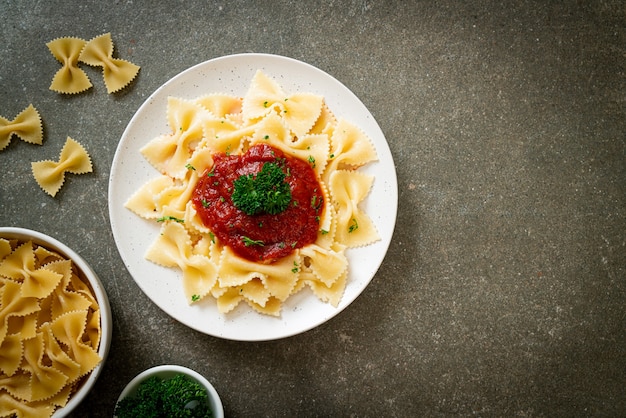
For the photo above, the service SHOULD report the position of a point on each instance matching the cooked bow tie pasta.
(258, 197)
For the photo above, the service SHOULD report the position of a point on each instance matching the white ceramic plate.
(133, 235)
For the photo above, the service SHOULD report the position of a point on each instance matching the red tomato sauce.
(276, 236)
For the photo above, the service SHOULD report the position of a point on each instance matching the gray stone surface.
(503, 292)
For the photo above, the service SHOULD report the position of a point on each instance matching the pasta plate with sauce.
(221, 109)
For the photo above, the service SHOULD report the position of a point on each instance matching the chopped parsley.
(353, 226)
(179, 396)
(249, 241)
(171, 218)
(195, 298)
(267, 192)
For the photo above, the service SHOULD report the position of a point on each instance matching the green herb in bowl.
(177, 397)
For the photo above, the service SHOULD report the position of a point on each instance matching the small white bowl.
(106, 321)
(168, 371)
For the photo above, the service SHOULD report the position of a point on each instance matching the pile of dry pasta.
(300, 125)
(49, 329)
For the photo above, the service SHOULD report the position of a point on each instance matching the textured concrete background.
(503, 292)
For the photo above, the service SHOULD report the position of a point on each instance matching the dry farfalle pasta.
(49, 329)
(50, 175)
(297, 126)
(98, 52)
(118, 73)
(70, 78)
(26, 126)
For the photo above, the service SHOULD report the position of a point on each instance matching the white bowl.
(169, 371)
(106, 321)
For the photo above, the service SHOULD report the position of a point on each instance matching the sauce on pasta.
(262, 237)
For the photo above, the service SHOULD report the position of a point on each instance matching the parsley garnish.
(354, 226)
(267, 192)
(176, 396)
(190, 167)
(171, 218)
(249, 241)
(195, 298)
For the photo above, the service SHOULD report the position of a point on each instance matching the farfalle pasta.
(26, 126)
(216, 141)
(49, 329)
(118, 73)
(70, 78)
(50, 175)
(97, 52)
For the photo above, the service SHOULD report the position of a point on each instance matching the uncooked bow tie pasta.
(49, 329)
(50, 175)
(258, 196)
(26, 126)
(70, 78)
(118, 73)
(97, 52)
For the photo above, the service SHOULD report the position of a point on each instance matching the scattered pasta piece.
(49, 338)
(50, 175)
(296, 126)
(26, 126)
(118, 73)
(70, 78)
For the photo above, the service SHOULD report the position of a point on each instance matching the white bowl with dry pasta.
(55, 328)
